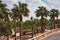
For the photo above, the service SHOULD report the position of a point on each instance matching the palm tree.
(22, 10)
(41, 11)
(57, 14)
(14, 16)
(4, 15)
(6, 19)
(53, 13)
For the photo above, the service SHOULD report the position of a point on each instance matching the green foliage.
(17, 23)
(37, 28)
(54, 13)
(4, 30)
(45, 22)
(26, 24)
(25, 31)
(42, 11)
(58, 21)
(21, 8)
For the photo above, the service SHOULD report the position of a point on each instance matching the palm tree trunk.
(20, 26)
(7, 37)
(7, 32)
(32, 30)
(15, 28)
(54, 22)
(42, 26)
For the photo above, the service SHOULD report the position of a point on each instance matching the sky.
(34, 4)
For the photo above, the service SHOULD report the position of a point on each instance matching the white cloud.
(14, 1)
(35, 0)
(23, 1)
(56, 3)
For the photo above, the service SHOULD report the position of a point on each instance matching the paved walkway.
(56, 36)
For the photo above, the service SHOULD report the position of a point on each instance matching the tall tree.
(14, 16)
(22, 10)
(42, 11)
(53, 13)
(57, 14)
(4, 11)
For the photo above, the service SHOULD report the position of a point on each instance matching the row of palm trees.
(43, 12)
(20, 10)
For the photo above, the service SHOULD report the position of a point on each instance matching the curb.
(46, 34)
